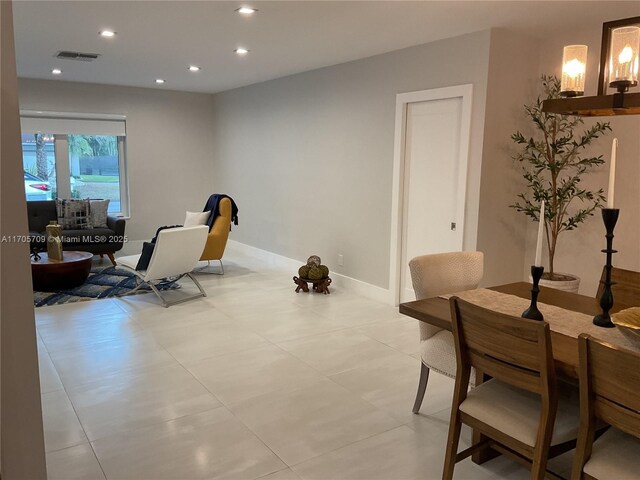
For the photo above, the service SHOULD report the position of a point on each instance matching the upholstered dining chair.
(175, 254)
(433, 275)
(625, 288)
(609, 385)
(519, 412)
(217, 238)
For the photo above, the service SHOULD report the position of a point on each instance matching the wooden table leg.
(488, 453)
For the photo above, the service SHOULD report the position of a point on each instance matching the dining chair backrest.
(514, 350)
(625, 288)
(609, 383)
(444, 273)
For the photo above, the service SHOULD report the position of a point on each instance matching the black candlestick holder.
(610, 218)
(532, 312)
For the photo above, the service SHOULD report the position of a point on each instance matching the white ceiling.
(160, 39)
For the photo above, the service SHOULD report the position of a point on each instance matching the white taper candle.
(538, 261)
(612, 173)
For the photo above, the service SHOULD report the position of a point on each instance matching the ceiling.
(161, 39)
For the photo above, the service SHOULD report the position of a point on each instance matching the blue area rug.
(103, 282)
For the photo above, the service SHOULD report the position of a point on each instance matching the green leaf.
(553, 162)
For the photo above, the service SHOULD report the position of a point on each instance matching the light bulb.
(626, 54)
(574, 68)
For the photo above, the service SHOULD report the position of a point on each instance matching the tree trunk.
(552, 254)
(41, 157)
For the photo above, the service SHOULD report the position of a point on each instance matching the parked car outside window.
(36, 188)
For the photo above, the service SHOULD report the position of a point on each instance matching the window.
(39, 163)
(84, 157)
(94, 168)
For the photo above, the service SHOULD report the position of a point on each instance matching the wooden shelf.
(600, 106)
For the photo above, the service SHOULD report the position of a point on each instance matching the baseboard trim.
(338, 280)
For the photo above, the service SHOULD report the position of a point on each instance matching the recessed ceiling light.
(107, 33)
(194, 68)
(56, 71)
(246, 10)
(241, 51)
(159, 81)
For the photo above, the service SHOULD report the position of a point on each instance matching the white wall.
(309, 157)
(22, 448)
(169, 144)
(501, 230)
(579, 251)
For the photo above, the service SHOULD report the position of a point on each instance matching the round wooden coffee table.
(51, 275)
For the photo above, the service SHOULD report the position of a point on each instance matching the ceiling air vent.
(82, 57)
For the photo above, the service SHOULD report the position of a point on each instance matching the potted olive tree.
(553, 162)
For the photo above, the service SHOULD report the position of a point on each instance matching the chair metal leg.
(139, 283)
(131, 292)
(207, 270)
(166, 303)
(155, 290)
(422, 387)
(193, 279)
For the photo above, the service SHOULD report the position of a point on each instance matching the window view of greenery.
(39, 163)
(93, 166)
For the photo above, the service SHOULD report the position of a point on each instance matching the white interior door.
(434, 183)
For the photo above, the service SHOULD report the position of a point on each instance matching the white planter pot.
(570, 285)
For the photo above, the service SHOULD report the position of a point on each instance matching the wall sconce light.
(623, 58)
(574, 66)
(619, 65)
(612, 56)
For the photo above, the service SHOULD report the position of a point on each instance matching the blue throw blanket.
(213, 205)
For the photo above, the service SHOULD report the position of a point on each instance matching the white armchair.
(441, 274)
(175, 255)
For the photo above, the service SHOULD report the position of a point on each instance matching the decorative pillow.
(99, 213)
(145, 256)
(74, 214)
(196, 218)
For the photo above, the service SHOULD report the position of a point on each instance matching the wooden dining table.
(436, 311)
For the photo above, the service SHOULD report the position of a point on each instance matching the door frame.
(398, 188)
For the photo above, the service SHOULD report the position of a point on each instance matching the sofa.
(99, 241)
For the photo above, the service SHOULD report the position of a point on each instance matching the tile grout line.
(84, 431)
(295, 305)
(292, 467)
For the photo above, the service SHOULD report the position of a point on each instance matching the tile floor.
(254, 381)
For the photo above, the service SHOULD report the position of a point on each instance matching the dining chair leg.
(539, 469)
(455, 426)
(539, 461)
(422, 387)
